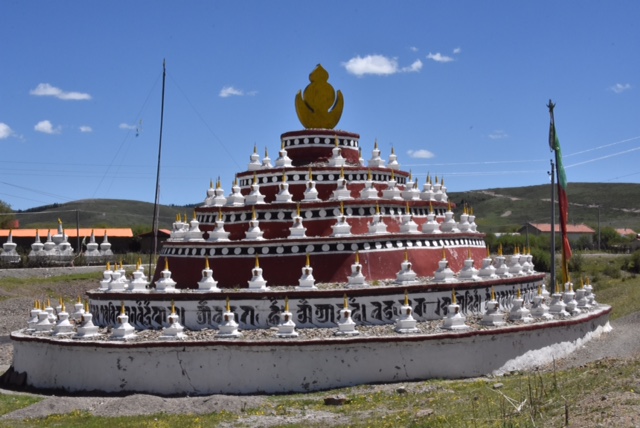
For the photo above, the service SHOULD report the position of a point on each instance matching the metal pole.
(156, 205)
(552, 285)
(78, 231)
(598, 227)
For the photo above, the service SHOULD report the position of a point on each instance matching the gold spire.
(393, 175)
(407, 208)
(393, 150)
(122, 308)
(255, 178)
(257, 261)
(493, 293)
(286, 304)
(228, 304)
(375, 144)
(253, 212)
(255, 148)
(342, 172)
(173, 307)
(357, 257)
(539, 290)
(444, 254)
(449, 205)
(436, 179)
(406, 297)
(500, 249)
(337, 142)
(281, 144)
(195, 217)
(310, 174)
(377, 208)
(86, 306)
(206, 263)
(581, 282)
(220, 214)
(369, 174)
(298, 209)
(284, 177)
(410, 175)
(79, 300)
(211, 183)
(345, 304)
(488, 252)
(519, 295)
(108, 266)
(235, 180)
(218, 184)
(308, 261)
(469, 253)
(266, 152)
(406, 255)
(166, 263)
(430, 208)
(454, 301)
(48, 302)
(442, 182)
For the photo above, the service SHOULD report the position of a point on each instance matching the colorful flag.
(563, 201)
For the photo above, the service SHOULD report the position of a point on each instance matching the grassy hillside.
(506, 209)
(497, 210)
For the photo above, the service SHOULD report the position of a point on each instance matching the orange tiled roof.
(625, 232)
(70, 232)
(571, 228)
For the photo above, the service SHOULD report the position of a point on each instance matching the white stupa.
(254, 197)
(493, 316)
(283, 195)
(405, 322)
(297, 230)
(376, 161)
(310, 192)
(123, 330)
(235, 198)
(254, 233)
(369, 191)
(455, 319)
(254, 160)
(341, 227)
(307, 281)
(287, 327)
(342, 192)
(392, 192)
(283, 161)
(257, 282)
(174, 330)
(356, 279)
(228, 328)
(336, 158)
(218, 234)
(207, 284)
(165, 284)
(406, 275)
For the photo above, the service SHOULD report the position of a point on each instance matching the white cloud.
(413, 49)
(413, 68)
(46, 127)
(457, 51)
(619, 88)
(126, 126)
(229, 91)
(85, 128)
(438, 57)
(5, 131)
(371, 64)
(498, 135)
(46, 90)
(420, 154)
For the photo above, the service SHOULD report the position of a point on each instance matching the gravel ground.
(622, 343)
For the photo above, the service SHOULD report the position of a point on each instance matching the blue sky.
(457, 88)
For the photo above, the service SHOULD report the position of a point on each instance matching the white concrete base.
(285, 365)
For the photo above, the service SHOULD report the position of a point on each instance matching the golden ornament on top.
(320, 106)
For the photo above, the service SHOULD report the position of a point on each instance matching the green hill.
(496, 210)
(506, 209)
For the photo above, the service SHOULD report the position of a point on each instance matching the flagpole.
(552, 282)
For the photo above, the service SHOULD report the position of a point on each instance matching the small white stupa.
(106, 278)
(454, 320)
(493, 316)
(463, 224)
(346, 325)
(360, 158)
(310, 192)
(336, 158)
(123, 330)
(33, 316)
(427, 190)
(254, 197)
(63, 327)
(179, 228)
(590, 295)
(392, 192)
(254, 233)
(444, 272)
(411, 191)
(487, 271)
(469, 272)
(538, 307)
(36, 248)
(431, 226)
(44, 324)
(228, 328)
(284, 196)
(449, 225)
(307, 281)
(341, 227)
(235, 198)
(9, 253)
(515, 268)
(207, 284)
(518, 310)
(86, 328)
(92, 253)
(473, 227)
(139, 282)
(254, 160)
(165, 284)
(393, 160)
(557, 305)
(194, 234)
(502, 270)
(581, 297)
(118, 281)
(569, 298)
(357, 279)
(376, 161)
(408, 225)
(105, 248)
(405, 322)
(78, 310)
(377, 225)
(297, 230)
(283, 161)
(257, 282)
(266, 160)
(286, 328)
(342, 192)
(218, 199)
(218, 234)
(406, 276)
(369, 191)
(174, 330)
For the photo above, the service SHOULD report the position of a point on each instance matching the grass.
(598, 393)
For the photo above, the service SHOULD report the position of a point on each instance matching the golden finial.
(500, 249)
(430, 208)
(393, 150)
(345, 304)
(255, 178)
(570, 286)
(406, 255)
(281, 144)
(228, 304)
(436, 179)
(219, 184)
(284, 177)
(166, 263)
(539, 290)
(108, 265)
(59, 221)
(266, 152)
(444, 254)
(206, 263)
(186, 219)
(308, 261)
(357, 257)
(257, 262)
(518, 294)
(48, 302)
(220, 214)
(255, 148)
(369, 174)
(79, 300)
(235, 180)
(342, 172)
(319, 106)
(286, 304)
(86, 306)
(488, 252)
(493, 294)
(454, 301)
(449, 205)
(173, 307)
(337, 142)
(375, 144)
(377, 208)
(298, 209)
(310, 174)
(410, 175)
(581, 282)
(471, 211)
(407, 209)
(195, 217)
(406, 297)
(393, 175)
(122, 308)
(211, 183)
(253, 212)
(442, 182)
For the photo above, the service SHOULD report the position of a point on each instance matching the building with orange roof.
(574, 231)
